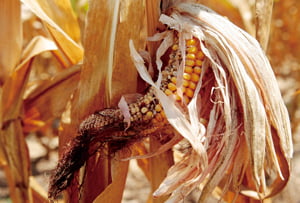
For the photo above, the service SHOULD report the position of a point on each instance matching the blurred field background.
(50, 73)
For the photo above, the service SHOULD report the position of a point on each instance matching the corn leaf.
(10, 37)
(62, 24)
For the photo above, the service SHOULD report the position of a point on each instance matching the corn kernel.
(198, 62)
(174, 80)
(189, 92)
(158, 108)
(144, 110)
(195, 77)
(183, 89)
(149, 115)
(172, 86)
(190, 56)
(168, 92)
(189, 63)
(177, 97)
(175, 47)
(192, 85)
(197, 70)
(200, 55)
(185, 83)
(191, 42)
(188, 69)
(192, 50)
(186, 99)
(186, 76)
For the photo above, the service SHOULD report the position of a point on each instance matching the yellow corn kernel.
(189, 63)
(185, 83)
(192, 50)
(144, 110)
(148, 115)
(172, 86)
(183, 89)
(158, 108)
(186, 76)
(200, 55)
(189, 92)
(197, 70)
(188, 69)
(177, 97)
(195, 77)
(174, 80)
(198, 63)
(192, 85)
(175, 47)
(168, 92)
(186, 99)
(190, 56)
(190, 42)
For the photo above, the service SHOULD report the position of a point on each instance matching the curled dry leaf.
(247, 140)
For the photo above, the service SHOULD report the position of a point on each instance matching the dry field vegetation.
(62, 60)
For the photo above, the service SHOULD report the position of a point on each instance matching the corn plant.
(201, 80)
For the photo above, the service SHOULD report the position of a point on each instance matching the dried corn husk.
(252, 153)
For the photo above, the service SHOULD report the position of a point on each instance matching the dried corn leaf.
(62, 24)
(10, 37)
(263, 15)
(47, 99)
(246, 105)
(15, 151)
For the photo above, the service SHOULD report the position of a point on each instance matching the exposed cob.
(146, 116)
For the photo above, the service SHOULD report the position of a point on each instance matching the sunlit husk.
(248, 114)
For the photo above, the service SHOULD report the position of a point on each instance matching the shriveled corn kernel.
(174, 80)
(188, 69)
(190, 56)
(189, 92)
(190, 42)
(200, 55)
(192, 85)
(189, 63)
(172, 86)
(198, 63)
(186, 76)
(185, 83)
(175, 47)
(158, 108)
(192, 50)
(195, 77)
(144, 110)
(197, 70)
(168, 92)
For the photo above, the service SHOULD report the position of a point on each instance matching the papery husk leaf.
(47, 99)
(39, 195)
(10, 37)
(63, 26)
(249, 105)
